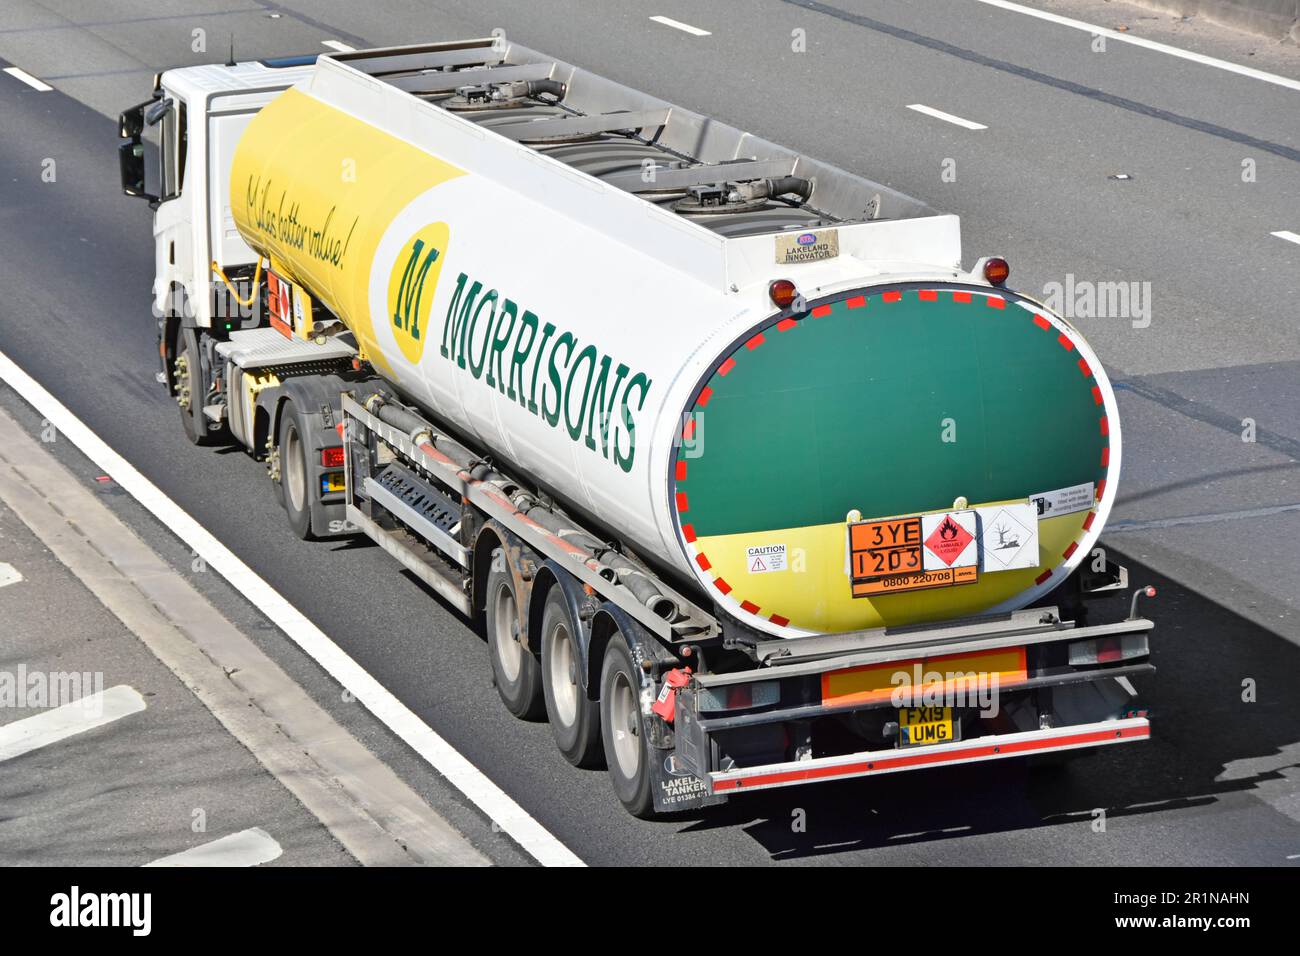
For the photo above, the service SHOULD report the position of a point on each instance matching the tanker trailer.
(719, 438)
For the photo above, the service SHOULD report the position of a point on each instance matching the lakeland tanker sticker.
(766, 558)
(412, 285)
(548, 371)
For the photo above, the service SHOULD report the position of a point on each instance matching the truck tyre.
(623, 730)
(575, 720)
(295, 490)
(515, 670)
(188, 377)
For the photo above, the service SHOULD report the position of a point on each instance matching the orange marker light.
(997, 271)
(783, 293)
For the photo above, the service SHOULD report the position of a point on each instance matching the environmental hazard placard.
(765, 558)
(1010, 537)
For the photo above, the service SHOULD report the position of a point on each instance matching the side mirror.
(157, 111)
(130, 155)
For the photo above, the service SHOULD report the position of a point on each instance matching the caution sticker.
(768, 557)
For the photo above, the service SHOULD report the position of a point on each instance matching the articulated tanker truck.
(750, 482)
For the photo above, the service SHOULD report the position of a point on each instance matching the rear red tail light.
(332, 457)
(740, 695)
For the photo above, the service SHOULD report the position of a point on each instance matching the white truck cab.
(199, 113)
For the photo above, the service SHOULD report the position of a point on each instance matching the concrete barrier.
(1279, 19)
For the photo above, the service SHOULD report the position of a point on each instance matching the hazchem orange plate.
(886, 557)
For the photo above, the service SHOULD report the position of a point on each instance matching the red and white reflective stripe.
(914, 758)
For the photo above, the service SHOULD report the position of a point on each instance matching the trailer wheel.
(515, 670)
(295, 474)
(623, 731)
(575, 720)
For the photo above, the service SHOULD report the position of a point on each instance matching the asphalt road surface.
(1207, 354)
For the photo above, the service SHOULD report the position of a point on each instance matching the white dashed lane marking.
(94, 710)
(1287, 235)
(27, 78)
(9, 575)
(499, 806)
(245, 848)
(946, 117)
(684, 27)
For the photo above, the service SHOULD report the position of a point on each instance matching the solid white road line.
(1147, 44)
(338, 45)
(8, 575)
(245, 848)
(27, 78)
(684, 27)
(509, 817)
(1287, 235)
(51, 726)
(946, 117)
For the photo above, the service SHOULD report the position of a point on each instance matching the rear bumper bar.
(870, 763)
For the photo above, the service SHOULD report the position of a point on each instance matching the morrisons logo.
(547, 371)
(411, 287)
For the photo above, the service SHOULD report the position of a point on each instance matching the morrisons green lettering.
(547, 331)
(499, 342)
(566, 338)
(476, 366)
(528, 322)
(599, 408)
(453, 329)
(642, 384)
(587, 355)
(481, 342)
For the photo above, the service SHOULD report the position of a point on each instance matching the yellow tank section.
(313, 189)
(817, 589)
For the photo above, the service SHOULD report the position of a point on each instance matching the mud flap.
(675, 787)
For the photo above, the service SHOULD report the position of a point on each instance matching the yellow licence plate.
(925, 725)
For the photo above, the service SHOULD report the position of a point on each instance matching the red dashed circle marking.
(856, 302)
